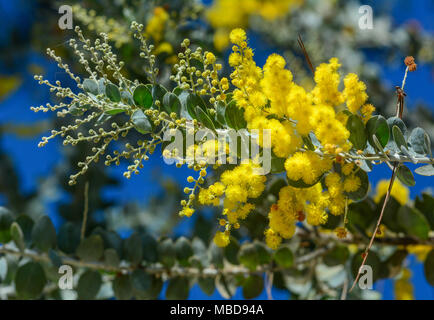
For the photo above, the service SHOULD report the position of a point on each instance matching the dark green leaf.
(406, 176)
(284, 257)
(112, 92)
(178, 289)
(6, 219)
(91, 249)
(44, 234)
(248, 256)
(413, 222)
(253, 286)
(207, 285)
(122, 287)
(183, 250)
(141, 281)
(68, 237)
(26, 224)
(231, 251)
(88, 285)
(30, 280)
(171, 104)
(166, 253)
(429, 268)
(111, 258)
(235, 116)
(358, 136)
(204, 119)
(338, 256)
(373, 261)
(398, 137)
(378, 126)
(133, 249)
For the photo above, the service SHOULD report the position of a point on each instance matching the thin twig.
(86, 210)
(306, 55)
(270, 278)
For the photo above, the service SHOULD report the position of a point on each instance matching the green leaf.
(141, 281)
(220, 115)
(393, 264)
(264, 254)
(390, 218)
(373, 261)
(68, 237)
(115, 111)
(253, 286)
(277, 164)
(171, 103)
(207, 285)
(18, 236)
(141, 122)
(284, 257)
(204, 119)
(300, 184)
(26, 224)
(166, 253)
(363, 191)
(123, 287)
(91, 86)
(427, 171)
(248, 256)
(337, 256)
(44, 234)
(30, 280)
(225, 285)
(413, 222)
(417, 141)
(406, 176)
(231, 251)
(184, 251)
(378, 126)
(178, 289)
(429, 268)
(89, 285)
(142, 97)
(395, 121)
(398, 137)
(358, 136)
(426, 206)
(133, 249)
(6, 219)
(216, 256)
(235, 116)
(158, 92)
(112, 92)
(149, 245)
(91, 249)
(111, 258)
(55, 259)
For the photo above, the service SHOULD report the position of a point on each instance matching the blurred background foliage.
(33, 182)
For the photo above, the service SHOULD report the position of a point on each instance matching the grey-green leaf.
(91, 86)
(413, 222)
(18, 236)
(141, 122)
(123, 287)
(398, 137)
(178, 289)
(427, 171)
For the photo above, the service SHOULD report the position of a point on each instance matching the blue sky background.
(34, 163)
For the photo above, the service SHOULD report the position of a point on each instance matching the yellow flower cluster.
(225, 15)
(157, 24)
(399, 191)
(233, 191)
(291, 208)
(403, 287)
(307, 166)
